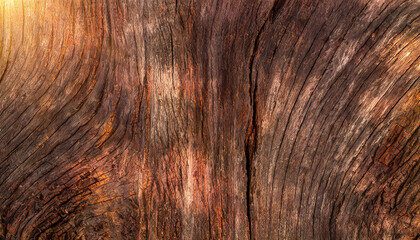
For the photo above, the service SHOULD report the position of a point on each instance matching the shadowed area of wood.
(173, 119)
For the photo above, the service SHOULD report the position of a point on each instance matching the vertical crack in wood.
(250, 143)
(251, 135)
(251, 140)
(275, 10)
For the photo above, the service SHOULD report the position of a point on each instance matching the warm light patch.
(8, 2)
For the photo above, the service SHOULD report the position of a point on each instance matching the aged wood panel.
(167, 119)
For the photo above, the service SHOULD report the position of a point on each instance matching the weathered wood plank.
(167, 119)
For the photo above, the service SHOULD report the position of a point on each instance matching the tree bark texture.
(209, 119)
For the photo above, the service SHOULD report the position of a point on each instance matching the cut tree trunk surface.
(211, 119)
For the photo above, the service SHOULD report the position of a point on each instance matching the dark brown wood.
(170, 119)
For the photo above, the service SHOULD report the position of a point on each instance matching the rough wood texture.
(176, 119)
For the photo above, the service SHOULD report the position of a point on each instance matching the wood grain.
(173, 119)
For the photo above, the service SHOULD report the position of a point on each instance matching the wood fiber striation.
(173, 119)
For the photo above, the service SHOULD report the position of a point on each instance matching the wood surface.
(209, 119)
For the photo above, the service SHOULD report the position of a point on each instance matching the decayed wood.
(167, 119)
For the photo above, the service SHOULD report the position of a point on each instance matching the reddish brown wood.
(170, 119)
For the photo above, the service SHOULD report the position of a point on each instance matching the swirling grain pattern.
(234, 119)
